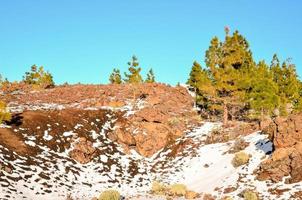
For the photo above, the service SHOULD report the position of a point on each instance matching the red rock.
(287, 157)
(83, 151)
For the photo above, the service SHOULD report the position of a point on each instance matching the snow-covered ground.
(204, 168)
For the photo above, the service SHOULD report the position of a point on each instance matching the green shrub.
(240, 158)
(158, 188)
(250, 195)
(4, 114)
(110, 195)
(178, 190)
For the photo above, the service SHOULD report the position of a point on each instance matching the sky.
(82, 41)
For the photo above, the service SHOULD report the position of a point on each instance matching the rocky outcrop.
(83, 151)
(146, 117)
(286, 160)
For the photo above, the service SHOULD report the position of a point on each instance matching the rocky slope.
(148, 116)
(77, 141)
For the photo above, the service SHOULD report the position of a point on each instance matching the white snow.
(46, 136)
(68, 133)
(113, 169)
(30, 143)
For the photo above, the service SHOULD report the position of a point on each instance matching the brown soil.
(12, 141)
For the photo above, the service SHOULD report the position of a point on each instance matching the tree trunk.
(225, 114)
(262, 114)
(195, 90)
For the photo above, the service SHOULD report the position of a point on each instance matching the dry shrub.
(250, 195)
(240, 158)
(178, 190)
(110, 195)
(158, 188)
(239, 145)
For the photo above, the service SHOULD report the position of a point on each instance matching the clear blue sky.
(81, 41)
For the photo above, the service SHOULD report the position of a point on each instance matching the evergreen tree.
(285, 76)
(200, 81)
(150, 77)
(4, 113)
(115, 77)
(38, 77)
(134, 72)
(263, 95)
(227, 61)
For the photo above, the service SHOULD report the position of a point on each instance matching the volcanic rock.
(83, 151)
(286, 160)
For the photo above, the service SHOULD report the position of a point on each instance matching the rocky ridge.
(149, 116)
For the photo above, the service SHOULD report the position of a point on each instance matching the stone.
(286, 160)
(83, 151)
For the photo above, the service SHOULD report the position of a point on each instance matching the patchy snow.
(68, 133)
(46, 136)
(202, 167)
(14, 107)
(78, 126)
(4, 126)
(30, 143)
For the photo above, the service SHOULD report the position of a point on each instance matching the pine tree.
(227, 61)
(134, 72)
(263, 95)
(200, 81)
(37, 76)
(150, 77)
(115, 77)
(4, 114)
(285, 76)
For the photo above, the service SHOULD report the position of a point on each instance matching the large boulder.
(286, 160)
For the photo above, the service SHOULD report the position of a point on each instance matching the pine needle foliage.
(150, 77)
(134, 72)
(115, 77)
(38, 77)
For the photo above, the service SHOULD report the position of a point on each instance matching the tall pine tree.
(227, 61)
(285, 76)
(262, 96)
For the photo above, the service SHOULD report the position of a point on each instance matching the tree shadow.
(265, 145)
(16, 120)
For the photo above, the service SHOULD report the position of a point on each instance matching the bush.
(240, 158)
(239, 145)
(4, 113)
(110, 195)
(250, 195)
(158, 188)
(178, 190)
